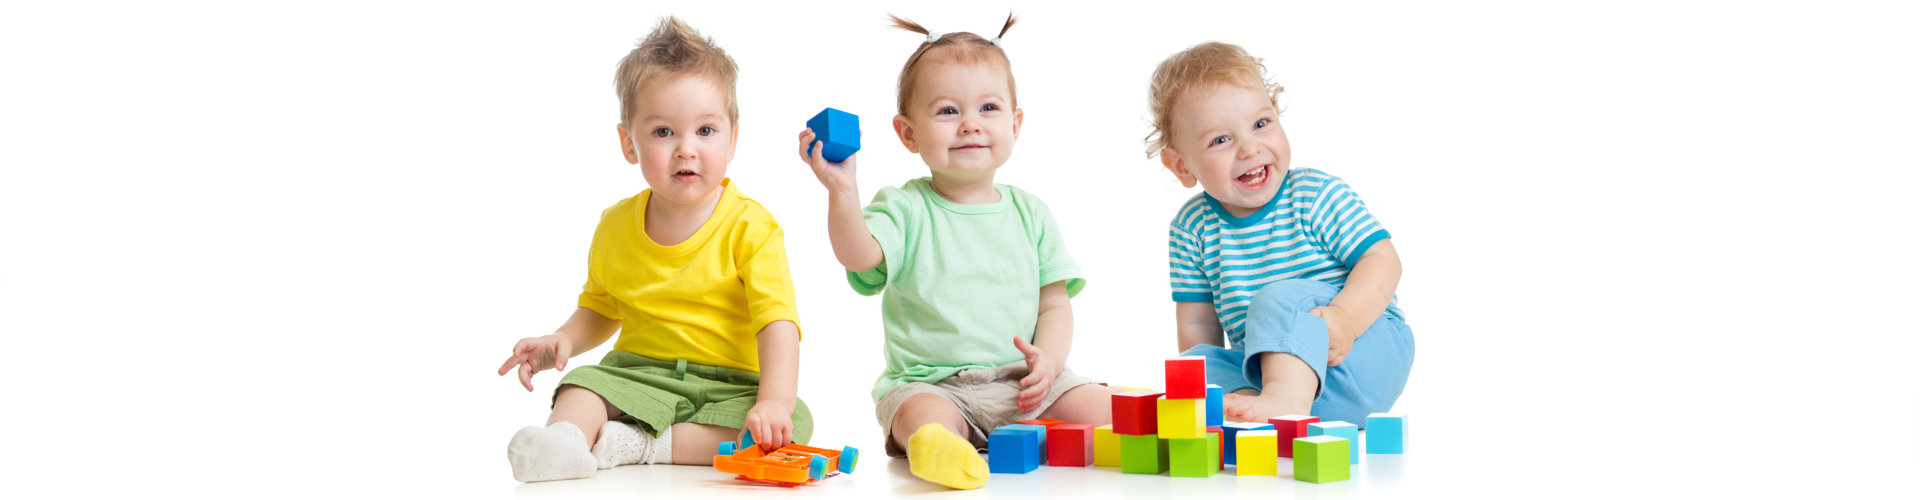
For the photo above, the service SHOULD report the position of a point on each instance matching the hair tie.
(932, 37)
(995, 41)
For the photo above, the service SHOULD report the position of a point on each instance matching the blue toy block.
(848, 457)
(746, 440)
(1341, 430)
(1039, 430)
(1014, 449)
(726, 448)
(1230, 429)
(1215, 413)
(817, 467)
(840, 131)
(1387, 433)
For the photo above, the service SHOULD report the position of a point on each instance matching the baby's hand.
(1340, 332)
(837, 177)
(534, 354)
(1039, 379)
(771, 425)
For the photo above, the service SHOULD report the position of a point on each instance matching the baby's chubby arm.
(771, 418)
(582, 332)
(1052, 341)
(1196, 323)
(1369, 289)
(846, 228)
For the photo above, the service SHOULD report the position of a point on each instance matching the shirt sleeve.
(887, 218)
(1184, 273)
(1340, 223)
(593, 294)
(762, 261)
(1056, 264)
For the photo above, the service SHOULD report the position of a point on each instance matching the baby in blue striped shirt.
(1282, 280)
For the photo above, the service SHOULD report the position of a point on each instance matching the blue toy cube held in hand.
(840, 131)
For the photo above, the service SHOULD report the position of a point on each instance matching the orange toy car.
(791, 465)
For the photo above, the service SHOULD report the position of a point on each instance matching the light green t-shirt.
(961, 280)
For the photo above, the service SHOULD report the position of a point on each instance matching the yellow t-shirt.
(705, 299)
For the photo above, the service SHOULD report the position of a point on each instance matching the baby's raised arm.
(846, 228)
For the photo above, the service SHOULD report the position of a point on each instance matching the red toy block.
(1187, 377)
(1220, 444)
(1070, 445)
(1288, 428)
(1043, 422)
(1137, 414)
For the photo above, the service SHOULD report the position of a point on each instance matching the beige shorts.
(987, 398)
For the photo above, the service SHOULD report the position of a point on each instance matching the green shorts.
(657, 394)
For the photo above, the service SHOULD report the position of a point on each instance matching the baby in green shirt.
(976, 274)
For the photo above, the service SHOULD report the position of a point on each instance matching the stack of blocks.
(1189, 416)
(1135, 423)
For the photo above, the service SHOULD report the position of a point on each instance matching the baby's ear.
(1171, 158)
(626, 144)
(905, 131)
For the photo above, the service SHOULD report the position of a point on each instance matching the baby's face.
(961, 119)
(1228, 138)
(680, 135)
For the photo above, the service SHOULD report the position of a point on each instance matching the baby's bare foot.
(1258, 408)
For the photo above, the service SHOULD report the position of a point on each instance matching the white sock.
(557, 451)
(622, 443)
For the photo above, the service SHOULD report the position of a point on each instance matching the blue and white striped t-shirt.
(1315, 228)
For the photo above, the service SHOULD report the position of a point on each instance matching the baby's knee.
(1295, 295)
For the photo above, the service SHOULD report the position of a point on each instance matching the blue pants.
(1368, 381)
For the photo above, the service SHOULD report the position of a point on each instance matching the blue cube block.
(1014, 449)
(840, 131)
(1039, 430)
(1339, 429)
(1387, 433)
(1230, 429)
(1215, 413)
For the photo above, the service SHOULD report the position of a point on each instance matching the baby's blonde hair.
(967, 48)
(1198, 66)
(674, 49)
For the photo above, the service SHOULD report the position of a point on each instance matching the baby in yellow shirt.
(691, 273)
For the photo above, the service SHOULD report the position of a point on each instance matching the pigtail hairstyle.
(965, 48)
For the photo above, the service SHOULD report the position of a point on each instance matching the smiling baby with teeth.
(1282, 280)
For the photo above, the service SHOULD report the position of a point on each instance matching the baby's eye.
(949, 110)
(1218, 141)
(990, 107)
(663, 132)
(1260, 123)
(707, 130)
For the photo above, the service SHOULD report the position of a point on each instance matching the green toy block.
(1106, 446)
(1193, 457)
(1182, 418)
(1143, 454)
(1321, 459)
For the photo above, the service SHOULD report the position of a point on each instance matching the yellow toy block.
(1257, 453)
(1182, 418)
(1106, 446)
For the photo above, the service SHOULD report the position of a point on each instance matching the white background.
(249, 248)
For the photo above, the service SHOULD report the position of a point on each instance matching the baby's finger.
(526, 376)
(511, 361)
